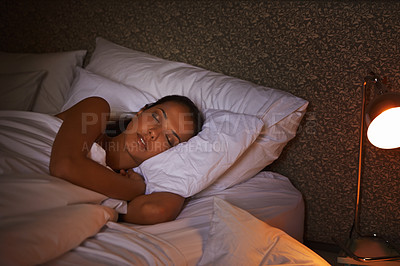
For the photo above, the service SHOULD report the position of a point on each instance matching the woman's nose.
(154, 132)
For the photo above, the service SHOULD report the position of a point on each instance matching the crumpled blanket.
(26, 140)
(42, 216)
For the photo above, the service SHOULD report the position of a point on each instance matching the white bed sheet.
(268, 196)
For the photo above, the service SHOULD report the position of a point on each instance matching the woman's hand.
(157, 207)
(137, 178)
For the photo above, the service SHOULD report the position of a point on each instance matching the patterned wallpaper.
(318, 50)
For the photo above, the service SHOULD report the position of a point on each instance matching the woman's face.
(157, 129)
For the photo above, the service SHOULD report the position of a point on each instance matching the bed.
(234, 214)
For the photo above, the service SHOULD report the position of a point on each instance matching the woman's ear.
(147, 106)
(140, 111)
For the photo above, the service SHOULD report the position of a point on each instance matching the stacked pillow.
(39, 81)
(19, 90)
(251, 122)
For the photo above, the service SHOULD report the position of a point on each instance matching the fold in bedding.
(26, 139)
(117, 244)
(41, 215)
(40, 236)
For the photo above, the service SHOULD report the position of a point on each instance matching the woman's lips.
(141, 141)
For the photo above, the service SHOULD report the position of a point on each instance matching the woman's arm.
(83, 123)
(157, 207)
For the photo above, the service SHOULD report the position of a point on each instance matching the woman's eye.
(155, 116)
(171, 141)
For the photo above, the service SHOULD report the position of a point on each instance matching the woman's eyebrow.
(166, 118)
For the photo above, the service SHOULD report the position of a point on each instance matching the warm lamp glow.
(384, 130)
(382, 118)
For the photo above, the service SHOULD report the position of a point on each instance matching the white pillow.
(192, 166)
(18, 90)
(121, 98)
(280, 111)
(238, 238)
(60, 73)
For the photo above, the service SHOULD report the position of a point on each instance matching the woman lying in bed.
(155, 128)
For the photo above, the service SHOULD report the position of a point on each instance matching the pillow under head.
(192, 166)
(281, 112)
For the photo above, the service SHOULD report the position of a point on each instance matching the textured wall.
(318, 50)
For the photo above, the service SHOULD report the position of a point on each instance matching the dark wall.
(318, 50)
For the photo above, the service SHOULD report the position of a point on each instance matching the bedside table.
(371, 247)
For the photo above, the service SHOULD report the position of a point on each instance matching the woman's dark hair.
(117, 127)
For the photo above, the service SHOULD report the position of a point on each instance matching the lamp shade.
(383, 121)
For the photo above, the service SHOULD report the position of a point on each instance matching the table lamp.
(381, 116)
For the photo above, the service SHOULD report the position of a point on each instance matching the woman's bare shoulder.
(90, 105)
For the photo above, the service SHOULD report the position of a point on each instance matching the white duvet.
(43, 217)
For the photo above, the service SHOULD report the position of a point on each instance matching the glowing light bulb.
(384, 130)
